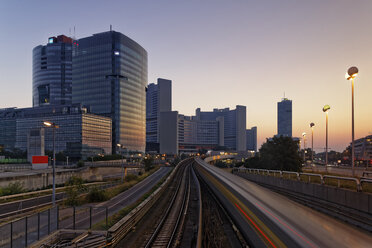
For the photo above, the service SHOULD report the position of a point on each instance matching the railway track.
(169, 230)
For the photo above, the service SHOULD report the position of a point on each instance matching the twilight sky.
(219, 54)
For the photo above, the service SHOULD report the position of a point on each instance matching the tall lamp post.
(54, 127)
(122, 162)
(312, 142)
(351, 74)
(326, 108)
(304, 139)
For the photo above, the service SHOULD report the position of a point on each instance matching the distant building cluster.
(169, 132)
(95, 90)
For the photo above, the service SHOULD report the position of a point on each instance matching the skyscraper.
(52, 72)
(251, 139)
(110, 76)
(158, 99)
(285, 118)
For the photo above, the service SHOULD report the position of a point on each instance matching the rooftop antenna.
(74, 33)
(69, 32)
(110, 27)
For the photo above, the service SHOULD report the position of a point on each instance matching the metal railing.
(121, 228)
(29, 229)
(264, 172)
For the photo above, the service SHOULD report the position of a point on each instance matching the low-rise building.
(363, 148)
(80, 134)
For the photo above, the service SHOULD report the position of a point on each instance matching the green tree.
(75, 186)
(280, 153)
(253, 162)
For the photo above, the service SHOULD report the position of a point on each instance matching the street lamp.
(304, 139)
(326, 108)
(122, 162)
(54, 127)
(351, 74)
(312, 142)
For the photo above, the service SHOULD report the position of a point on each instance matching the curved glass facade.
(110, 76)
(52, 72)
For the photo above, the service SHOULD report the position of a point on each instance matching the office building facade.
(110, 76)
(158, 99)
(195, 135)
(80, 134)
(251, 137)
(363, 149)
(52, 72)
(186, 134)
(285, 118)
(234, 125)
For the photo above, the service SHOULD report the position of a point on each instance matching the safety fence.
(311, 177)
(26, 230)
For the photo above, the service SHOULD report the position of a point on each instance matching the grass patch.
(113, 219)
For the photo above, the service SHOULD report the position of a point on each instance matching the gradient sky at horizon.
(220, 54)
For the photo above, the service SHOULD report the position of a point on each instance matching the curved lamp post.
(312, 142)
(53, 126)
(326, 108)
(122, 161)
(304, 139)
(350, 75)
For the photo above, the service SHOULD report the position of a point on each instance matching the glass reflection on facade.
(110, 76)
(52, 72)
(80, 134)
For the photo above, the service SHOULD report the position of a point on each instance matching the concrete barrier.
(360, 201)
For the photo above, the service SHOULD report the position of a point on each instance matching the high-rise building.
(252, 139)
(158, 99)
(110, 76)
(52, 72)
(234, 125)
(285, 118)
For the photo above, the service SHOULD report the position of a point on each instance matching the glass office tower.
(52, 72)
(110, 76)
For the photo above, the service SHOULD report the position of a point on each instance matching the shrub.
(131, 177)
(96, 195)
(80, 163)
(74, 188)
(12, 188)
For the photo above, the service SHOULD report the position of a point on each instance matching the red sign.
(39, 159)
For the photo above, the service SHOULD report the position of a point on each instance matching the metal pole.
(326, 158)
(48, 221)
(57, 217)
(122, 165)
(312, 146)
(73, 218)
(26, 231)
(38, 226)
(90, 217)
(54, 168)
(352, 126)
(304, 151)
(11, 234)
(106, 217)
